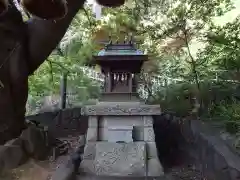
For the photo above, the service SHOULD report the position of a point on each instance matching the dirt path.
(42, 170)
(39, 170)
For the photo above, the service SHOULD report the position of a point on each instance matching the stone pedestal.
(121, 140)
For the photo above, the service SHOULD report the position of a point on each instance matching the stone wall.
(34, 143)
(201, 143)
(175, 138)
(62, 122)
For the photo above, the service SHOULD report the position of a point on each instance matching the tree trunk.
(23, 48)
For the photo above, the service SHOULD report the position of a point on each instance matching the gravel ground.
(177, 173)
(185, 173)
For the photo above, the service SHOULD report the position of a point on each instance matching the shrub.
(176, 98)
(229, 115)
(220, 102)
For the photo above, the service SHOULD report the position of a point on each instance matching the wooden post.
(63, 91)
(109, 82)
(130, 82)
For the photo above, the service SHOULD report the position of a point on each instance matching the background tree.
(165, 30)
(25, 45)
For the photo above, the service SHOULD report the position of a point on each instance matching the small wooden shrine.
(120, 63)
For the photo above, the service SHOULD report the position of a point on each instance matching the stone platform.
(120, 159)
(121, 108)
(121, 141)
(89, 177)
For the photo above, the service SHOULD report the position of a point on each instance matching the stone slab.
(92, 177)
(147, 121)
(154, 168)
(107, 121)
(119, 97)
(89, 151)
(138, 133)
(152, 150)
(120, 133)
(133, 103)
(149, 134)
(87, 166)
(120, 159)
(92, 134)
(103, 134)
(121, 109)
(92, 121)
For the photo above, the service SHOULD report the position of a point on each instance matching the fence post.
(63, 90)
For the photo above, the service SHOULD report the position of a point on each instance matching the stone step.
(91, 177)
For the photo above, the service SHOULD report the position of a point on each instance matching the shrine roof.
(120, 49)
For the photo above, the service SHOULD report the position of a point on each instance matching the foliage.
(75, 49)
(228, 114)
(206, 75)
(220, 102)
(166, 30)
(224, 46)
(176, 98)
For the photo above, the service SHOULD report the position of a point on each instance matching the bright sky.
(230, 16)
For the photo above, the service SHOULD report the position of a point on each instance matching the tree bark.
(24, 46)
(47, 34)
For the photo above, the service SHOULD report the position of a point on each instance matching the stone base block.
(121, 109)
(92, 134)
(93, 177)
(154, 168)
(121, 160)
(138, 133)
(149, 134)
(152, 150)
(93, 121)
(89, 151)
(87, 166)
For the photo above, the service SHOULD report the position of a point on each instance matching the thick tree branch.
(45, 35)
(13, 74)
